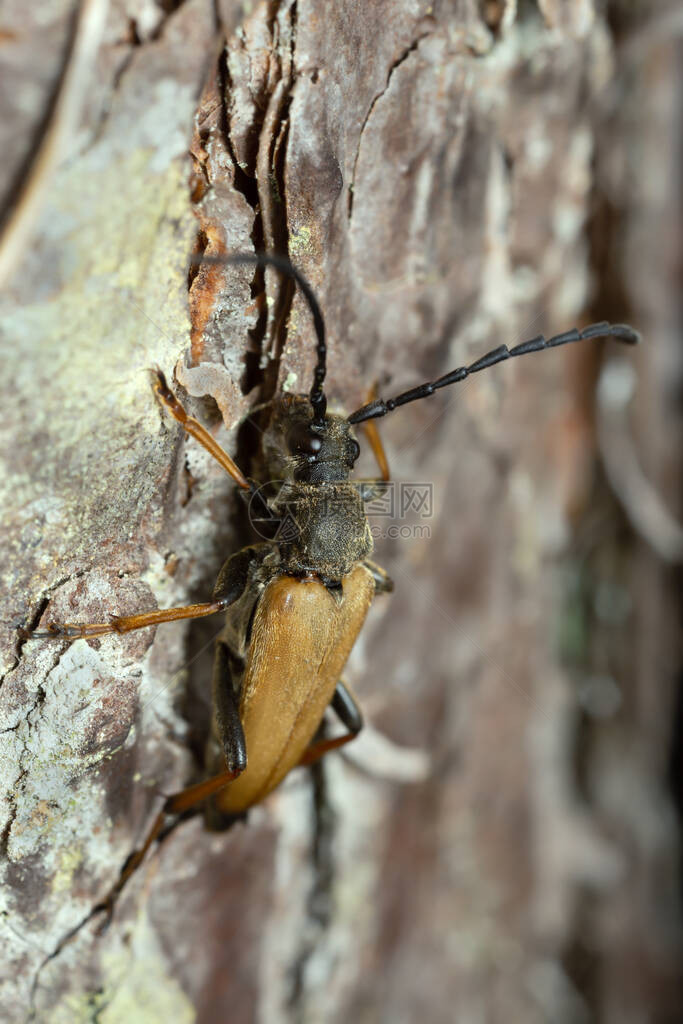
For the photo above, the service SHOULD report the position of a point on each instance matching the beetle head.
(303, 450)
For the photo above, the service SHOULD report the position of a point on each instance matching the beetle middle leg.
(228, 741)
(231, 582)
(383, 581)
(125, 623)
(226, 711)
(350, 715)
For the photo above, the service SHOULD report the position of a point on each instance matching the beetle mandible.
(295, 605)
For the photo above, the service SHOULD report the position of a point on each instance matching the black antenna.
(622, 332)
(265, 259)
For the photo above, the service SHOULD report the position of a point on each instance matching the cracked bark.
(449, 177)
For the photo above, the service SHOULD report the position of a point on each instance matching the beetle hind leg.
(183, 803)
(350, 715)
(175, 805)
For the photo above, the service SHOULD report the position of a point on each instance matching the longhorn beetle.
(294, 606)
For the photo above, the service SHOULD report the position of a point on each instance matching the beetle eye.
(302, 441)
(354, 449)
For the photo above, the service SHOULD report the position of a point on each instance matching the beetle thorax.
(326, 531)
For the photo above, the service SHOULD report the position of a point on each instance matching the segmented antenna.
(380, 407)
(265, 259)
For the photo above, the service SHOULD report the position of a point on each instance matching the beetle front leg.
(346, 706)
(195, 429)
(371, 432)
(375, 441)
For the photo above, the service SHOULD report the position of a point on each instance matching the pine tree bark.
(501, 844)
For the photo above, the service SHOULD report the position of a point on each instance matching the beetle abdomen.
(300, 641)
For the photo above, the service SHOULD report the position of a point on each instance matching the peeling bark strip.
(450, 178)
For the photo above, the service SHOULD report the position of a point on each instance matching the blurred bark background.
(450, 177)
